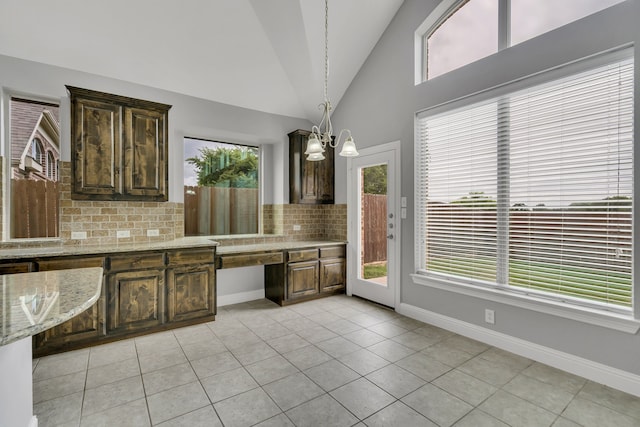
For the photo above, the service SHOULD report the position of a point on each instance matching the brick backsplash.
(102, 219)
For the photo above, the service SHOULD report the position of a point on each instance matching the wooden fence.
(35, 208)
(210, 211)
(374, 228)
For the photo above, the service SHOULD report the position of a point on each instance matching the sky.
(472, 32)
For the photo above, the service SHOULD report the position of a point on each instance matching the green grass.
(580, 282)
(371, 271)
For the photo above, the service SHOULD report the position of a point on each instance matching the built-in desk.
(29, 304)
(293, 271)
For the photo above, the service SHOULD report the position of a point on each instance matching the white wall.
(380, 106)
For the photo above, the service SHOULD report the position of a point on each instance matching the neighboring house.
(35, 140)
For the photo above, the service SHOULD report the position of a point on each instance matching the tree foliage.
(476, 199)
(227, 167)
(375, 179)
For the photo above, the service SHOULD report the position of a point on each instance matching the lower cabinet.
(190, 293)
(135, 300)
(142, 292)
(307, 274)
(88, 325)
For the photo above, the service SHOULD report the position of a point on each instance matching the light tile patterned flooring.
(337, 361)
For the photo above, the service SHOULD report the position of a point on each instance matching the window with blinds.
(531, 191)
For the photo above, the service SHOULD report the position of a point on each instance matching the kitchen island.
(31, 303)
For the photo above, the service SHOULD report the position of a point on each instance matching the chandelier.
(322, 135)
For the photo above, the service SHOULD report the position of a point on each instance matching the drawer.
(135, 261)
(231, 261)
(302, 255)
(333, 252)
(16, 267)
(190, 257)
(65, 263)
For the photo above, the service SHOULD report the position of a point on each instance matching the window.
(34, 150)
(221, 188)
(459, 32)
(530, 190)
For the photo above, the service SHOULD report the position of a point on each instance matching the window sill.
(605, 319)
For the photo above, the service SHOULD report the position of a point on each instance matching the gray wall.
(189, 116)
(380, 107)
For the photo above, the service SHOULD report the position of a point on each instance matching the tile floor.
(338, 361)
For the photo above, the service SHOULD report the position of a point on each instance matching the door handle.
(389, 236)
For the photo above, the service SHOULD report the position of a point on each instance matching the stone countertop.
(34, 302)
(68, 250)
(275, 246)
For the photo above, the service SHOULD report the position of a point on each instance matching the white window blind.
(532, 191)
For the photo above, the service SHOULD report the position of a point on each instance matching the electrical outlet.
(490, 316)
(153, 232)
(297, 227)
(121, 234)
(79, 235)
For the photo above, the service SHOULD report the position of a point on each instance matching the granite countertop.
(34, 302)
(275, 246)
(63, 250)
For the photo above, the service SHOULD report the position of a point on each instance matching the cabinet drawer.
(333, 252)
(65, 263)
(16, 267)
(302, 255)
(135, 261)
(230, 261)
(190, 257)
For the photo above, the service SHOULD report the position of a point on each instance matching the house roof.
(267, 55)
(25, 117)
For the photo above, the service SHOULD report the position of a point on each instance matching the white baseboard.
(598, 372)
(33, 422)
(240, 297)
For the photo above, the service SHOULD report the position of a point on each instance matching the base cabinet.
(143, 292)
(88, 325)
(135, 300)
(307, 274)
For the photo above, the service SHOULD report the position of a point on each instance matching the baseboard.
(33, 422)
(240, 297)
(598, 372)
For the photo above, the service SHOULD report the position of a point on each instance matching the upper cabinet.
(309, 182)
(118, 147)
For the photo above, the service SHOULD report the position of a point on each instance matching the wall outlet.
(153, 232)
(490, 316)
(79, 235)
(121, 234)
(296, 227)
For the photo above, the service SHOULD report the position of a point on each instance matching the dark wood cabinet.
(190, 285)
(118, 147)
(302, 279)
(135, 300)
(85, 326)
(309, 182)
(307, 274)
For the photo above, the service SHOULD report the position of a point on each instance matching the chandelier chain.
(326, 50)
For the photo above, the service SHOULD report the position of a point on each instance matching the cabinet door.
(95, 148)
(145, 154)
(332, 274)
(135, 300)
(85, 326)
(309, 182)
(190, 292)
(302, 279)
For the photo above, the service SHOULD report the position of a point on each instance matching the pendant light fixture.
(322, 135)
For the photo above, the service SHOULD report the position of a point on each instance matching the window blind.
(532, 190)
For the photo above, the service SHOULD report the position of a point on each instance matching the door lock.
(389, 236)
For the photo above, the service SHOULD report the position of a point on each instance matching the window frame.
(626, 320)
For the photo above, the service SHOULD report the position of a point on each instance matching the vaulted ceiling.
(266, 55)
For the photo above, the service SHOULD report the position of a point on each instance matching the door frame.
(352, 219)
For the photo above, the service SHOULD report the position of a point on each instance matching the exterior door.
(373, 224)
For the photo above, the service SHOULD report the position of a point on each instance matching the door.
(373, 224)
